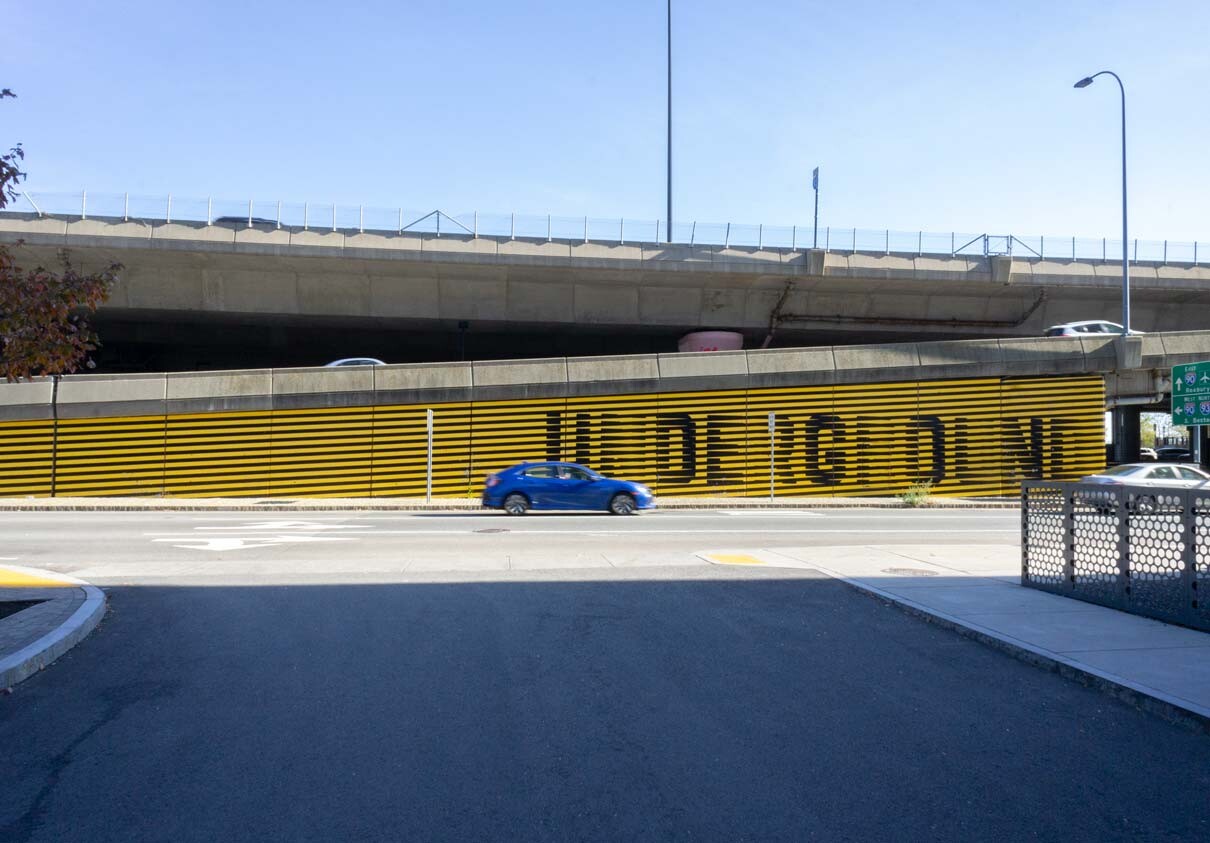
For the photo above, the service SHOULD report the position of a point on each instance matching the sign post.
(772, 429)
(428, 475)
(1191, 399)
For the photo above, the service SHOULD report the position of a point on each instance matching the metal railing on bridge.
(362, 218)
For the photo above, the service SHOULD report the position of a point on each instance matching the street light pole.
(815, 228)
(1084, 83)
(668, 233)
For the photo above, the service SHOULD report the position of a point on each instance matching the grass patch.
(917, 494)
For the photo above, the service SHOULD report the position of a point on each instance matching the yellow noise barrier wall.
(969, 437)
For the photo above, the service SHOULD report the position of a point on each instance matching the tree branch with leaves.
(44, 325)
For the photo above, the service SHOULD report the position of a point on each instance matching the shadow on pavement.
(764, 705)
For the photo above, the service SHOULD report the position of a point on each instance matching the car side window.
(1163, 473)
(1190, 474)
(577, 474)
(543, 471)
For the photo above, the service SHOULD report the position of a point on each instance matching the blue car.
(562, 485)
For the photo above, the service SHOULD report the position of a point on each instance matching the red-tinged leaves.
(43, 317)
(43, 314)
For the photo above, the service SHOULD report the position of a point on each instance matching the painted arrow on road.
(233, 543)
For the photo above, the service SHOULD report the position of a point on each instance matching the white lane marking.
(197, 543)
(757, 513)
(663, 515)
(644, 532)
(296, 526)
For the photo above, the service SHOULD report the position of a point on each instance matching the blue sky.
(933, 115)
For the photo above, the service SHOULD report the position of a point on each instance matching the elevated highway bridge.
(195, 295)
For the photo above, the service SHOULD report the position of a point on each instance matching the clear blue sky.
(930, 115)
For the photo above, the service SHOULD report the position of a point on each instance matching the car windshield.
(1122, 470)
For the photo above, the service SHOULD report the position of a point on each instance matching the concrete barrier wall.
(83, 396)
(89, 396)
(319, 240)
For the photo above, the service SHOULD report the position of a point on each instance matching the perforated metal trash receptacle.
(1136, 548)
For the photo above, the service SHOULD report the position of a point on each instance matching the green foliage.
(1147, 433)
(917, 494)
(44, 326)
(10, 166)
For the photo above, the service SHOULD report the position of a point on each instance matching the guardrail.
(332, 217)
(1139, 549)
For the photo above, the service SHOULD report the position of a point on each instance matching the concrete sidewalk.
(976, 591)
(285, 504)
(53, 613)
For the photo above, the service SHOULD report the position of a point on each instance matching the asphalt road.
(241, 547)
(308, 699)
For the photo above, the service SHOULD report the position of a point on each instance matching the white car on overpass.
(1094, 327)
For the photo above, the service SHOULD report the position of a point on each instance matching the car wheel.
(623, 504)
(516, 504)
(1144, 505)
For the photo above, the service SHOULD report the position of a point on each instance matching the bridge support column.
(1126, 434)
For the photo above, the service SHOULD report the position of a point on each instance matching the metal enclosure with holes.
(1140, 549)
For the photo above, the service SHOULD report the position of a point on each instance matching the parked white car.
(1150, 474)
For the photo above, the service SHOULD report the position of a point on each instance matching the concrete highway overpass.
(211, 296)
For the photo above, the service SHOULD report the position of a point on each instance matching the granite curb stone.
(1172, 708)
(267, 504)
(35, 637)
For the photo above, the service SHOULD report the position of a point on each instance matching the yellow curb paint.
(15, 579)
(734, 559)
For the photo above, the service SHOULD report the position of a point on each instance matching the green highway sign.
(1191, 394)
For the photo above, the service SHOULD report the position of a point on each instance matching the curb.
(454, 505)
(1173, 709)
(34, 657)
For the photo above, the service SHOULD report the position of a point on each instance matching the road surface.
(371, 676)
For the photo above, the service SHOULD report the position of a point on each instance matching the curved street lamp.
(1084, 83)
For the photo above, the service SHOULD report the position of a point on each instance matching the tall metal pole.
(1084, 83)
(772, 440)
(815, 232)
(1125, 259)
(428, 474)
(668, 233)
